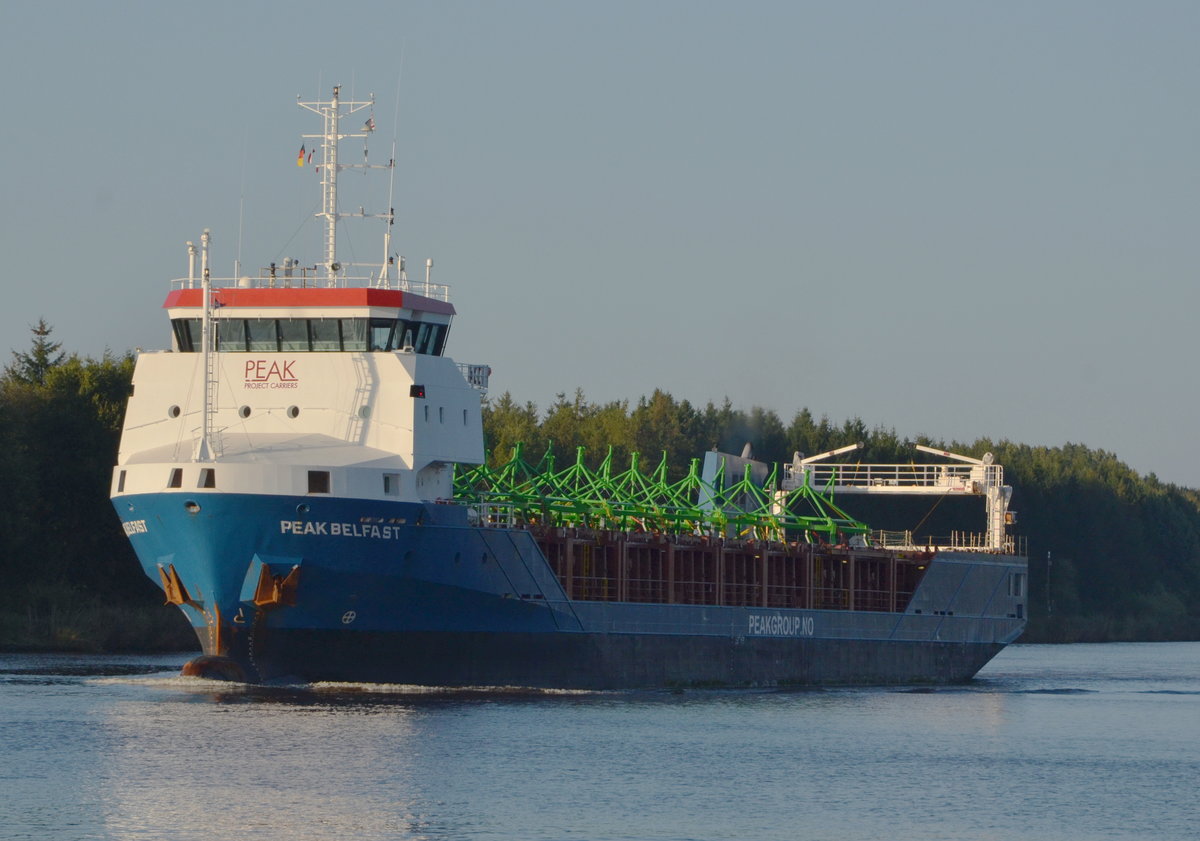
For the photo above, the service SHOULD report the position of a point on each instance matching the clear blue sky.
(951, 219)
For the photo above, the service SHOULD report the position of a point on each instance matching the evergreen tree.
(33, 367)
(506, 424)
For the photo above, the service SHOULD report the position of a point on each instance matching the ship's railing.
(476, 375)
(956, 541)
(831, 598)
(314, 277)
(495, 516)
(965, 478)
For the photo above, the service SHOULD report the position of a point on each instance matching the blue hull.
(413, 594)
(616, 661)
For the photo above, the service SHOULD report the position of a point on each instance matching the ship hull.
(598, 661)
(305, 589)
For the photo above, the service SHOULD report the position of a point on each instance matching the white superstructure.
(305, 379)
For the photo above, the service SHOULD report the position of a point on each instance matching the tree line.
(1113, 554)
(70, 578)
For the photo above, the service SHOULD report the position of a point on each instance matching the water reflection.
(255, 762)
(349, 696)
(125, 748)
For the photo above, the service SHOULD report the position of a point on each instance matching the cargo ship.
(303, 473)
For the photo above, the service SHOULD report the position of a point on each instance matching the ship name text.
(778, 625)
(135, 527)
(322, 527)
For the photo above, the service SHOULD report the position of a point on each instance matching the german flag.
(300, 157)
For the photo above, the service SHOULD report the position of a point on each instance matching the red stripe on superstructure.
(236, 296)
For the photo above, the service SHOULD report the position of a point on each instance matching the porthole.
(302, 508)
(364, 412)
(244, 412)
(173, 412)
(192, 507)
(293, 411)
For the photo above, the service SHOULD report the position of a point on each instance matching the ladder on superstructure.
(361, 400)
(205, 449)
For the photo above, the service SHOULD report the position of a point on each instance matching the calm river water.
(1049, 742)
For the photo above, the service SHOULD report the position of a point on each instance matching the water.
(1063, 742)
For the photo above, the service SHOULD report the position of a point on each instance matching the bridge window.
(383, 334)
(429, 338)
(293, 335)
(262, 335)
(354, 334)
(326, 334)
(187, 334)
(231, 334)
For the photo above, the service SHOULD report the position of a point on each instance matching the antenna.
(237, 263)
(385, 269)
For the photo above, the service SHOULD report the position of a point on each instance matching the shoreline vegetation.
(1114, 556)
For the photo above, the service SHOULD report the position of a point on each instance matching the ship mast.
(332, 111)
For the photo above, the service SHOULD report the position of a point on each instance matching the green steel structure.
(518, 493)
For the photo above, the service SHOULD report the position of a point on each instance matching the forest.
(1114, 555)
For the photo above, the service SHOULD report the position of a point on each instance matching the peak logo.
(260, 373)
